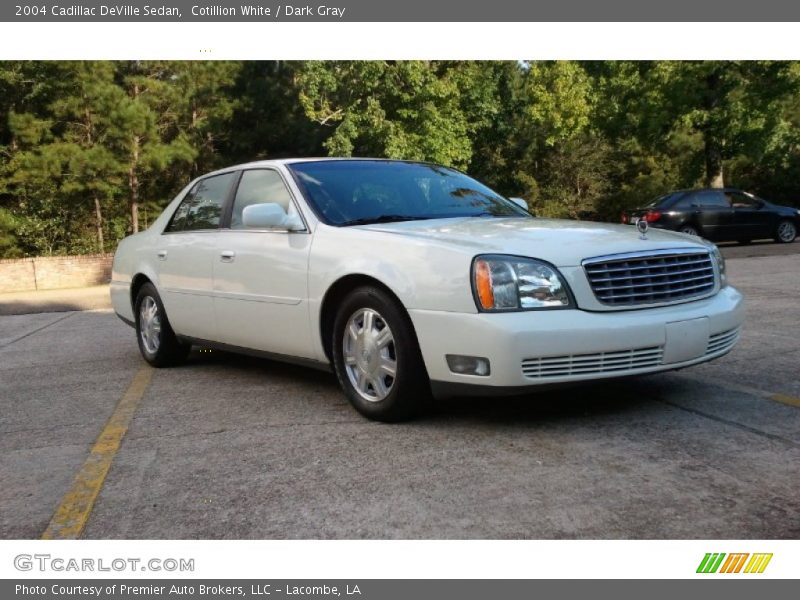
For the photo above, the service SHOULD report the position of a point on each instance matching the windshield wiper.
(382, 219)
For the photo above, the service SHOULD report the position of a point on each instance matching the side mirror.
(521, 202)
(270, 215)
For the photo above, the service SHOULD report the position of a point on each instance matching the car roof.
(707, 189)
(287, 161)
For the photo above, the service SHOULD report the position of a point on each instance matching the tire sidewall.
(169, 349)
(411, 385)
(695, 230)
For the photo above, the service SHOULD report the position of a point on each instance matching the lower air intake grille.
(722, 342)
(586, 364)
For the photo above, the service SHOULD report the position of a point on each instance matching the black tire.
(409, 389)
(690, 229)
(168, 351)
(785, 231)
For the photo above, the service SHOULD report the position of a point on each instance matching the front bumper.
(536, 348)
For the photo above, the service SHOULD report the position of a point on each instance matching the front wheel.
(157, 342)
(377, 358)
(786, 232)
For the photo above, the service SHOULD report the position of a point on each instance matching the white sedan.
(409, 279)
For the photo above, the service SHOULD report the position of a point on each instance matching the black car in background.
(725, 214)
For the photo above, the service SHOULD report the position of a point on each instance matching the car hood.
(560, 242)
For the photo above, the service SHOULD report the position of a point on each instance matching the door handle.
(227, 256)
(162, 255)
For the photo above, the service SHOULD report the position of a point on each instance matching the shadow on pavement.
(575, 401)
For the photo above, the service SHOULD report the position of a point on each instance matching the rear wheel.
(377, 358)
(690, 229)
(786, 232)
(157, 342)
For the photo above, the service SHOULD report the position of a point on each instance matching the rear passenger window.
(258, 186)
(202, 206)
(711, 199)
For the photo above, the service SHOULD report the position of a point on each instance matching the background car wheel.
(157, 342)
(786, 232)
(690, 229)
(377, 358)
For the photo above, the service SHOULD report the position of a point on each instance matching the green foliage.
(90, 151)
(8, 237)
(407, 109)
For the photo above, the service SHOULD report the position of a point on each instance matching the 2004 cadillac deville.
(410, 278)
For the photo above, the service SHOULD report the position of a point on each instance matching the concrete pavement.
(234, 447)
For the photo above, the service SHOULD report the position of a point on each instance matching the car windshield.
(356, 192)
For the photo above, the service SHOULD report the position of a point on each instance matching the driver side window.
(258, 186)
(740, 200)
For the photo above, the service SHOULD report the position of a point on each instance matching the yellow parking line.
(73, 512)
(784, 399)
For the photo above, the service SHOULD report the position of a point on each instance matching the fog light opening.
(468, 365)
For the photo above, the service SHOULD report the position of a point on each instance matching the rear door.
(750, 219)
(713, 213)
(185, 253)
(261, 275)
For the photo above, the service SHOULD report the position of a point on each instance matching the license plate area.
(685, 340)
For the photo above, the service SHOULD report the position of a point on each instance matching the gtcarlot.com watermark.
(48, 563)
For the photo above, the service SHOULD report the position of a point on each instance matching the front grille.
(722, 342)
(654, 278)
(587, 364)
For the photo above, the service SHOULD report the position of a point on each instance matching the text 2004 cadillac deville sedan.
(410, 278)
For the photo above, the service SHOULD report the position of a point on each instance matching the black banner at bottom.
(391, 589)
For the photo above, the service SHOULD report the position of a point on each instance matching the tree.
(147, 138)
(83, 115)
(408, 109)
(733, 105)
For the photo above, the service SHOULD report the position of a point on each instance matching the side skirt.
(285, 358)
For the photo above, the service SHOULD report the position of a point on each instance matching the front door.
(749, 220)
(714, 214)
(261, 276)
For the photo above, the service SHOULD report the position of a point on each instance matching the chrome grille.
(652, 278)
(722, 342)
(587, 364)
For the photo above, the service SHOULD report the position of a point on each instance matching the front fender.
(422, 274)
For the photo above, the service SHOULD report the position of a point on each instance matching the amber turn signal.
(483, 284)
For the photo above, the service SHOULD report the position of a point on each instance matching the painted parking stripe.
(73, 511)
(784, 399)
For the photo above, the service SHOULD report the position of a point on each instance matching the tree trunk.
(713, 155)
(98, 213)
(133, 185)
(133, 176)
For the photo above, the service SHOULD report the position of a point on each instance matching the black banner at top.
(402, 10)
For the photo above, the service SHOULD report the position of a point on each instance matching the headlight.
(720, 260)
(509, 283)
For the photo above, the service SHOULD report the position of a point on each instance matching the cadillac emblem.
(642, 225)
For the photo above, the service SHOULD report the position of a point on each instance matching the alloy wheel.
(369, 355)
(150, 324)
(786, 231)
